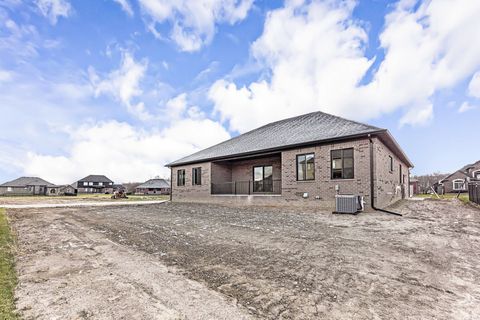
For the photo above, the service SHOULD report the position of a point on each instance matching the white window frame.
(100, 183)
(456, 181)
(9, 189)
(475, 173)
(90, 183)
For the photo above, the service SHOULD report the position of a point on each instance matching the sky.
(122, 87)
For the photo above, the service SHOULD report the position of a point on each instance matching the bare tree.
(428, 180)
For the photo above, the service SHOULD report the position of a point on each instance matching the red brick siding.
(321, 191)
(189, 191)
(243, 170)
(388, 188)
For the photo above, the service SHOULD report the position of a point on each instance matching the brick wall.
(189, 192)
(243, 170)
(388, 187)
(448, 183)
(221, 172)
(321, 191)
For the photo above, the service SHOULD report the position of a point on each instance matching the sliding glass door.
(263, 179)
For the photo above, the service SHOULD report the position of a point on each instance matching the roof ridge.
(304, 128)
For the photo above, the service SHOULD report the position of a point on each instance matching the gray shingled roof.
(27, 181)
(155, 183)
(470, 165)
(95, 178)
(462, 173)
(304, 129)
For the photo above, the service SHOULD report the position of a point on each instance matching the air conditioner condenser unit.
(348, 203)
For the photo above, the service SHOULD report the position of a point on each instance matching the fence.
(474, 192)
(248, 187)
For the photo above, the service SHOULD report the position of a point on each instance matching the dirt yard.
(181, 261)
(81, 198)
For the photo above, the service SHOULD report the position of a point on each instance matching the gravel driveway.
(138, 262)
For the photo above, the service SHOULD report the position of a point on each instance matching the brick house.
(34, 186)
(301, 161)
(472, 170)
(94, 184)
(458, 181)
(153, 186)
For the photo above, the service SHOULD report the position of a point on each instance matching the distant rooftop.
(95, 178)
(27, 181)
(155, 183)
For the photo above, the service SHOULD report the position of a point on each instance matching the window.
(476, 174)
(196, 176)
(458, 184)
(85, 183)
(181, 177)
(400, 173)
(391, 163)
(90, 183)
(100, 183)
(9, 189)
(263, 179)
(305, 167)
(342, 163)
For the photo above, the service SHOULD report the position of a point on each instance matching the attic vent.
(348, 203)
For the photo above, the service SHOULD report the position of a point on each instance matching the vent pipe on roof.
(372, 189)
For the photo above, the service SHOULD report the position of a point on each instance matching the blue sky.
(122, 87)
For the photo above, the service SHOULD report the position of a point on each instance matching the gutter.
(372, 188)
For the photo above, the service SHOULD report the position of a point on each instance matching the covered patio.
(259, 175)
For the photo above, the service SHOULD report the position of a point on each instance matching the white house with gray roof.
(301, 161)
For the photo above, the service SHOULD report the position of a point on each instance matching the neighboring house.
(304, 161)
(119, 188)
(458, 181)
(472, 170)
(153, 186)
(413, 187)
(62, 190)
(94, 184)
(455, 182)
(33, 186)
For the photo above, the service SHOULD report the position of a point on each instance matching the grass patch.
(8, 277)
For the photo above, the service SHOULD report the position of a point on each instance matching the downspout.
(372, 189)
(171, 183)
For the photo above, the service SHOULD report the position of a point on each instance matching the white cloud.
(466, 107)
(193, 22)
(420, 115)
(176, 106)
(125, 6)
(474, 85)
(5, 76)
(52, 9)
(313, 55)
(18, 40)
(124, 85)
(123, 152)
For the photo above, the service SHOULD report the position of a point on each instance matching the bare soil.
(81, 198)
(192, 261)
